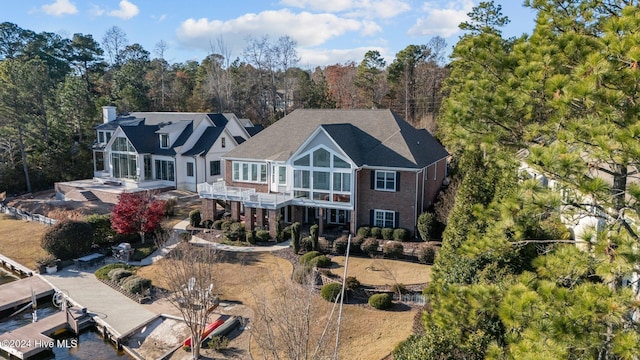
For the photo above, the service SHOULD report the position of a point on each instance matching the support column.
(273, 219)
(235, 210)
(321, 212)
(208, 209)
(249, 223)
(260, 218)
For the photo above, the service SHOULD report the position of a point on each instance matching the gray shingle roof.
(204, 143)
(369, 137)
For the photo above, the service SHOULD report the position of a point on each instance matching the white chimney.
(108, 113)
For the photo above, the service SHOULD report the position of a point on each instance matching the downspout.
(415, 206)
(355, 200)
(195, 172)
(424, 177)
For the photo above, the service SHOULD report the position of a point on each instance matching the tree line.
(52, 87)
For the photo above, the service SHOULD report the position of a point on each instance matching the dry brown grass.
(365, 333)
(378, 272)
(20, 240)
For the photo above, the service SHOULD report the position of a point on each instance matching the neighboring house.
(339, 168)
(165, 149)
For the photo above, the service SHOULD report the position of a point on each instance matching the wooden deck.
(17, 293)
(32, 339)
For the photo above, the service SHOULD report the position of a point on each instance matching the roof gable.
(368, 137)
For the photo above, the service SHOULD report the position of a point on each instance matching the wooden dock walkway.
(15, 266)
(32, 339)
(17, 293)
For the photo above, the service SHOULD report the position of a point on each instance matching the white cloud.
(306, 28)
(355, 8)
(442, 21)
(60, 7)
(310, 58)
(126, 11)
(95, 10)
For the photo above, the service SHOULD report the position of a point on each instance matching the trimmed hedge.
(195, 218)
(330, 292)
(400, 234)
(135, 284)
(380, 301)
(217, 225)
(370, 246)
(320, 262)
(103, 272)
(351, 283)
(427, 254)
(117, 275)
(387, 233)
(262, 235)
(393, 249)
(376, 232)
(364, 232)
(306, 258)
(340, 245)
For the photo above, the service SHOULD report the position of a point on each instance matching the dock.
(15, 266)
(17, 293)
(33, 339)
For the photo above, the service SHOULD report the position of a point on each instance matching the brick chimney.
(108, 113)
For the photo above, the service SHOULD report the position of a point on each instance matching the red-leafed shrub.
(137, 213)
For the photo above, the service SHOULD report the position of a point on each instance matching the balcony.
(250, 198)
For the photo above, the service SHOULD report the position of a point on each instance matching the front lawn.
(376, 272)
(20, 240)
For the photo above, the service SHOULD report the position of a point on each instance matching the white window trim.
(385, 214)
(260, 166)
(331, 170)
(395, 179)
(192, 166)
(168, 142)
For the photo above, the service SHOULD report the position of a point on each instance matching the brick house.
(338, 168)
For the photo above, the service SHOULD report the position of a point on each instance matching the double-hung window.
(214, 167)
(385, 180)
(384, 218)
(190, 169)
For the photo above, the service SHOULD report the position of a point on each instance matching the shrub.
(314, 236)
(226, 225)
(103, 272)
(364, 231)
(340, 245)
(351, 283)
(387, 233)
(170, 206)
(399, 289)
(330, 292)
(301, 275)
(279, 233)
(118, 274)
(262, 235)
(286, 233)
(235, 232)
(250, 237)
(68, 239)
(135, 284)
(356, 244)
(207, 224)
(376, 233)
(295, 237)
(304, 259)
(143, 251)
(427, 254)
(380, 301)
(400, 234)
(425, 224)
(370, 246)
(217, 224)
(306, 244)
(195, 218)
(218, 343)
(393, 249)
(320, 262)
(103, 233)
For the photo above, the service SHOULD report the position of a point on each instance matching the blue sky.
(326, 31)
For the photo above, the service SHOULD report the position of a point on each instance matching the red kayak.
(207, 331)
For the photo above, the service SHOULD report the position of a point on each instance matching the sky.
(327, 32)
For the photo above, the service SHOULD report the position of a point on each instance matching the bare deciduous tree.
(189, 275)
(293, 323)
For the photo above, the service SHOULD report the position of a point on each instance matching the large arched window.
(322, 175)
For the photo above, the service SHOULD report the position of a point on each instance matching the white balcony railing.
(249, 196)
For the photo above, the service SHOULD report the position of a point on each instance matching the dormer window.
(164, 141)
(223, 142)
(100, 137)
